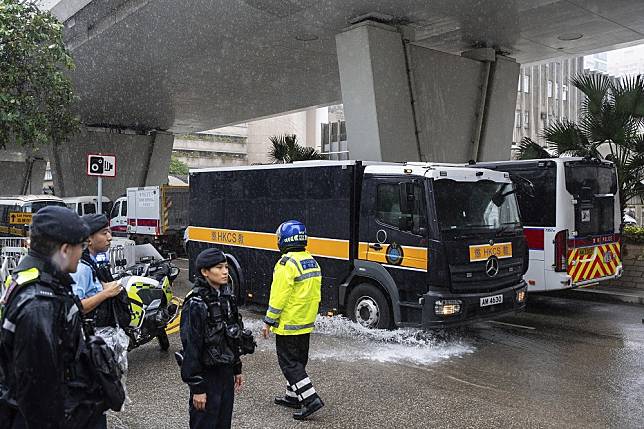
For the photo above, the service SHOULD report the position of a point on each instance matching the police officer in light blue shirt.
(89, 288)
(92, 292)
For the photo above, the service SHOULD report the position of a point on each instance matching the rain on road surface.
(563, 363)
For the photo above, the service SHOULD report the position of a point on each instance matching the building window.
(564, 92)
(526, 84)
(549, 89)
(556, 90)
(526, 120)
(517, 119)
(519, 84)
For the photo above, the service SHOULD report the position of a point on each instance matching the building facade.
(544, 95)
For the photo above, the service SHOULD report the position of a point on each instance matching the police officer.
(210, 327)
(292, 309)
(42, 383)
(94, 285)
(97, 290)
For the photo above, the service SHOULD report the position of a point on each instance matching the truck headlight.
(521, 295)
(448, 307)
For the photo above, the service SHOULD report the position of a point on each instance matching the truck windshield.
(475, 205)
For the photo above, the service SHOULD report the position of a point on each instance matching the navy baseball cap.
(60, 224)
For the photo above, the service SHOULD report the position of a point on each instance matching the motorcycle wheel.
(164, 342)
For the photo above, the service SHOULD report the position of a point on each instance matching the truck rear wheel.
(368, 306)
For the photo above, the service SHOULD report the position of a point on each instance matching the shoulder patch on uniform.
(44, 292)
(308, 264)
(193, 294)
(284, 260)
(27, 276)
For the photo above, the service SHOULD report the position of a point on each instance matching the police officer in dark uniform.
(210, 330)
(42, 381)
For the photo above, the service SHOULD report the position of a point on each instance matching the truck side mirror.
(406, 197)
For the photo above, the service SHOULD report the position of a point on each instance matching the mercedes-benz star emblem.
(492, 266)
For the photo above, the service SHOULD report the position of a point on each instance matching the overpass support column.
(142, 159)
(22, 170)
(404, 102)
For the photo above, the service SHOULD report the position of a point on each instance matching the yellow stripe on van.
(325, 247)
(413, 257)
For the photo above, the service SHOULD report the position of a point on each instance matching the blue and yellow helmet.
(291, 234)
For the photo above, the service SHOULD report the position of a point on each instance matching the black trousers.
(292, 356)
(220, 395)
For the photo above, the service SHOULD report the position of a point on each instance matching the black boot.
(285, 401)
(308, 409)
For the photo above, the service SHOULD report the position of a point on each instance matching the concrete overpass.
(432, 80)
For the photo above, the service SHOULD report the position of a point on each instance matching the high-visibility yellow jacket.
(295, 294)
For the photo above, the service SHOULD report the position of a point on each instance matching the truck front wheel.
(368, 306)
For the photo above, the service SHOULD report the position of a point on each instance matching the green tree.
(611, 122)
(286, 149)
(35, 93)
(178, 167)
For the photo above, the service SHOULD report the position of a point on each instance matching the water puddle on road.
(337, 338)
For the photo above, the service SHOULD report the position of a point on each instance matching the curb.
(625, 297)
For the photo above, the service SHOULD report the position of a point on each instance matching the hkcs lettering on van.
(483, 252)
(228, 237)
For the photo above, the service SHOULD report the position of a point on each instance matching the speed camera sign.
(101, 165)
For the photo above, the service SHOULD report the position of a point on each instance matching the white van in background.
(118, 216)
(87, 204)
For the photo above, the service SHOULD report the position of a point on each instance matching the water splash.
(337, 338)
(398, 346)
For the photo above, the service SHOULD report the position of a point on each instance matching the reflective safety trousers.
(295, 294)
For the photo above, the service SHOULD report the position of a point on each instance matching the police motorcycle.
(148, 284)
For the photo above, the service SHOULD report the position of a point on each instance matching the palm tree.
(286, 149)
(612, 120)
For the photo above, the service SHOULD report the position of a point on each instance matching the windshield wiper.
(505, 228)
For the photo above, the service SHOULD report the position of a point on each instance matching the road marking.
(471, 384)
(513, 325)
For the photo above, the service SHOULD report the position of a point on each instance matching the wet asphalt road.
(563, 363)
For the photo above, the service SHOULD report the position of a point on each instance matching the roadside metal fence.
(12, 250)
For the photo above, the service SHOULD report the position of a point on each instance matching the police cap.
(209, 258)
(59, 224)
(96, 222)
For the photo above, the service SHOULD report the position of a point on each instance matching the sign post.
(100, 165)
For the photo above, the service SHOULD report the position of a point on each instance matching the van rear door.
(593, 248)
